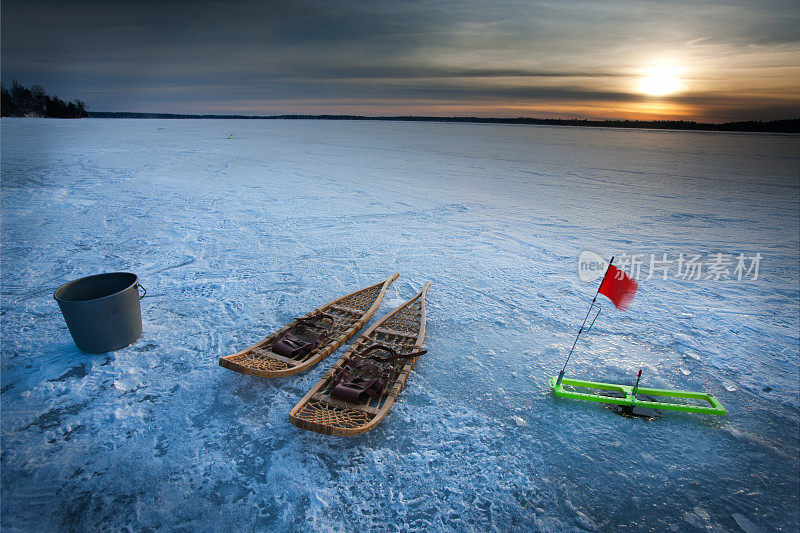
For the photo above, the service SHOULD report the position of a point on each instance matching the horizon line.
(787, 125)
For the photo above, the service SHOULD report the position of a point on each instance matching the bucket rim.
(101, 275)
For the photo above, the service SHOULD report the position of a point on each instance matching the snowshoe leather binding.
(361, 378)
(304, 336)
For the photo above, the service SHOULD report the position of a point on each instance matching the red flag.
(618, 286)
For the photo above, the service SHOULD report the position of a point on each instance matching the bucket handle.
(139, 286)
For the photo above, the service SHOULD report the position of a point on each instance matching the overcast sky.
(732, 60)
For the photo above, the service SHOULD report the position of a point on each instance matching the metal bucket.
(102, 311)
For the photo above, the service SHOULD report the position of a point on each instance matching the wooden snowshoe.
(311, 338)
(357, 392)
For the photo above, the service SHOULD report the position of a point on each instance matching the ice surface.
(233, 237)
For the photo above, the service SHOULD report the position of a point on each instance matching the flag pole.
(636, 387)
(561, 374)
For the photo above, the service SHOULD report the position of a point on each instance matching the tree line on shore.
(20, 101)
(773, 126)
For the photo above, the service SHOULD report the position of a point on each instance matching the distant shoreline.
(773, 126)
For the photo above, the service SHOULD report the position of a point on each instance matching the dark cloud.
(149, 55)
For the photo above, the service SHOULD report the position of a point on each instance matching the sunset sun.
(660, 81)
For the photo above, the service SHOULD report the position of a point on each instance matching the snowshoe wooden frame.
(714, 408)
(404, 330)
(350, 311)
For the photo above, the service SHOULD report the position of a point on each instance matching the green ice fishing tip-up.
(629, 398)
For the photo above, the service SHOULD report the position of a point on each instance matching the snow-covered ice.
(233, 237)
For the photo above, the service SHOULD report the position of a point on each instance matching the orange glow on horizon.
(639, 110)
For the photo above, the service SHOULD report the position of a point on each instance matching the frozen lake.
(234, 236)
